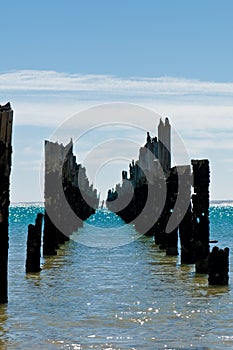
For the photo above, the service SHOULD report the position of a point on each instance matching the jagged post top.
(6, 120)
(6, 107)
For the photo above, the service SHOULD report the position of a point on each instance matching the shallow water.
(130, 296)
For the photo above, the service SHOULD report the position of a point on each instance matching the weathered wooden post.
(164, 144)
(6, 119)
(185, 224)
(34, 245)
(54, 159)
(186, 238)
(200, 200)
(218, 266)
(172, 193)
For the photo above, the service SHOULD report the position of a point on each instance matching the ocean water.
(129, 295)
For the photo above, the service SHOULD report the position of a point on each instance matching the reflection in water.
(34, 279)
(105, 230)
(3, 327)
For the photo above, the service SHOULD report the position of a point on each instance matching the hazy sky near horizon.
(171, 56)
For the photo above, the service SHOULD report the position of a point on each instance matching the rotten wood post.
(6, 119)
(34, 245)
(200, 200)
(218, 266)
(172, 193)
(186, 222)
(54, 158)
(186, 238)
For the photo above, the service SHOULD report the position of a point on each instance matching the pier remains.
(184, 190)
(67, 188)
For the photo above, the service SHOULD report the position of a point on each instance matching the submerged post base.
(218, 266)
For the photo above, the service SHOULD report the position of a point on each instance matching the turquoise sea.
(129, 296)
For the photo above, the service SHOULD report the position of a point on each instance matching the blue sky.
(58, 57)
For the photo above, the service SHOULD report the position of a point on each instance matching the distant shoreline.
(36, 203)
(220, 201)
(12, 204)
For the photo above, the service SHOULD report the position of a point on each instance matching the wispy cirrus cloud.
(48, 97)
(33, 80)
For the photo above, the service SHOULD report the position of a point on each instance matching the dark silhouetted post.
(6, 119)
(34, 245)
(186, 222)
(186, 238)
(200, 199)
(172, 192)
(218, 266)
(54, 158)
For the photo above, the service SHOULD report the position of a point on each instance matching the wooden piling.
(34, 245)
(186, 219)
(200, 201)
(164, 144)
(218, 266)
(6, 120)
(172, 193)
(55, 155)
(186, 238)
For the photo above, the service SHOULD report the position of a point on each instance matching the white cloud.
(48, 97)
(33, 80)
